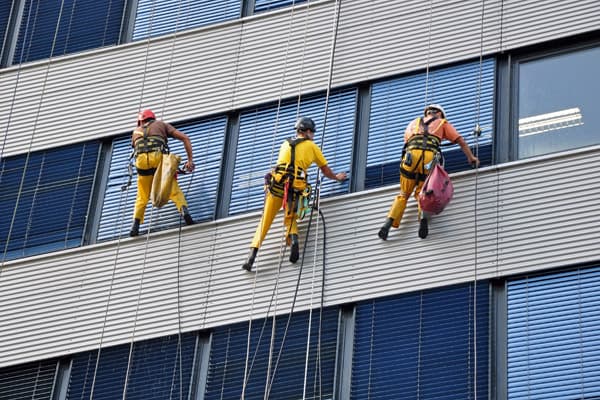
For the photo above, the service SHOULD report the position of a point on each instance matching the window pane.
(28, 381)
(266, 5)
(262, 130)
(44, 199)
(155, 18)
(421, 345)
(53, 28)
(557, 97)
(397, 102)
(200, 187)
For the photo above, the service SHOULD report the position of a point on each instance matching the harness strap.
(149, 143)
(290, 175)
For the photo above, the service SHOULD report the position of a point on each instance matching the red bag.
(437, 191)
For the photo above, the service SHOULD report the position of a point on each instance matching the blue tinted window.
(47, 29)
(28, 381)
(200, 187)
(155, 18)
(44, 199)
(397, 102)
(263, 130)
(553, 341)
(266, 5)
(555, 113)
(157, 368)
(229, 354)
(421, 345)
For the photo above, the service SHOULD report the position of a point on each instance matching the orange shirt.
(439, 127)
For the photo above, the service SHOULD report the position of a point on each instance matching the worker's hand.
(340, 176)
(189, 166)
(474, 161)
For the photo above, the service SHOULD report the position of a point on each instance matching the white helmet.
(436, 107)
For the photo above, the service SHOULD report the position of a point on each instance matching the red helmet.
(144, 115)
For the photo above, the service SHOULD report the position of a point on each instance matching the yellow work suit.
(417, 161)
(306, 152)
(412, 178)
(145, 162)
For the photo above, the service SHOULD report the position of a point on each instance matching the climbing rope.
(336, 13)
(248, 365)
(33, 129)
(477, 133)
(118, 247)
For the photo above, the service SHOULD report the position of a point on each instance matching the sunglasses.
(432, 111)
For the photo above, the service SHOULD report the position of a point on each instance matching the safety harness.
(282, 182)
(149, 144)
(424, 142)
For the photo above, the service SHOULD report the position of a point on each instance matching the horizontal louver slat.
(156, 18)
(199, 187)
(266, 5)
(553, 339)
(395, 103)
(229, 352)
(83, 24)
(29, 381)
(262, 131)
(421, 345)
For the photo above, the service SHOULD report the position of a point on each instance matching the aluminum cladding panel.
(517, 221)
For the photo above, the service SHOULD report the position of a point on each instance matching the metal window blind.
(52, 205)
(32, 381)
(155, 18)
(396, 102)
(228, 357)
(420, 345)
(263, 130)
(80, 25)
(155, 370)
(554, 336)
(199, 188)
(266, 5)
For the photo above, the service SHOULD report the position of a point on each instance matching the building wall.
(505, 220)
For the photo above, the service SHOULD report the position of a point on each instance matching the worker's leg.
(144, 184)
(272, 206)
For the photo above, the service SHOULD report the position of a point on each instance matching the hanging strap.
(290, 175)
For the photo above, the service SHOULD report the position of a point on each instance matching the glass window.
(155, 18)
(53, 28)
(552, 333)
(236, 352)
(200, 187)
(44, 199)
(421, 345)
(262, 130)
(397, 102)
(266, 5)
(28, 381)
(160, 369)
(557, 97)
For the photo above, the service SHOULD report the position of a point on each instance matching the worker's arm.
(340, 176)
(467, 150)
(187, 144)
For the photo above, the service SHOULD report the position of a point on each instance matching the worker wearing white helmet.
(422, 140)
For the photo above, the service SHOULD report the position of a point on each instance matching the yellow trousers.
(146, 161)
(418, 163)
(272, 206)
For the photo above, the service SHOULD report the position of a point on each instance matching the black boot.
(186, 216)
(294, 249)
(248, 264)
(135, 228)
(385, 229)
(423, 228)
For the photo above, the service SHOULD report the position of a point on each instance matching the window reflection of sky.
(554, 84)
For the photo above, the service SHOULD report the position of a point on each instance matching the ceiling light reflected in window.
(550, 121)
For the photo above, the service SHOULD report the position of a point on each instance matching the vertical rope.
(428, 53)
(117, 251)
(477, 132)
(33, 129)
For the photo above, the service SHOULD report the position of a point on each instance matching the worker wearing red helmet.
(422, 139)
(149, 140)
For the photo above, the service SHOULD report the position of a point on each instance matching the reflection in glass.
(557, 96)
